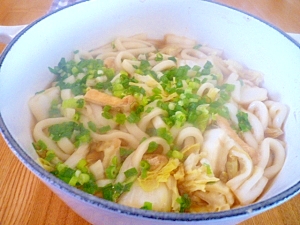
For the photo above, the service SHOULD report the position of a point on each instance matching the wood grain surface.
(26, 200)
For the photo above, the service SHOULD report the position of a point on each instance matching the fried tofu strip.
(103, 99)
(224, 125)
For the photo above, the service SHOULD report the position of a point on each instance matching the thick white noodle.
(141, 50)
(128, 66)
(233, 110)
(189, 132)
(133, 160)
(158, 122)
(164, 65)
(66, 145)
(219, 63)
(119, 45)
(250, 94)
(106, 55)
(66, 94)
(182, 42)
(204, 88)
(97, 170)
(97, 52)
(252, 187)
(38, 134)
(277, 113)
(79, 154)
(192, 54)
(98, 118)
(191, 162)
(122, 44)
(271, 151)
(260, 110)
(246, 167)
(110, 149)
(216, 146)
(256, 135)
(146, 119)
(249, 138)
(40, 103)
(130, 139)
(136, 131)
(120, 57)
(236, 93)
(210, 51)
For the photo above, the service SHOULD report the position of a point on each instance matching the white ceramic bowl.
(258, 45)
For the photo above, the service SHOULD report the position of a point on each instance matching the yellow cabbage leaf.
(197, 178)
(155, 177)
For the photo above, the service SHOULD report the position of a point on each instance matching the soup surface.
(166, 125)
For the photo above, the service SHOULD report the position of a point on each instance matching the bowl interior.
(257, 45)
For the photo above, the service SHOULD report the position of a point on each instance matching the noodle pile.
(166, 125)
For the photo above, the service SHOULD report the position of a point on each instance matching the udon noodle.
(166, 125)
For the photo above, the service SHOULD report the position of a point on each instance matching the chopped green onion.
(50, 155)
(145, 65)
(76, 116)
(58, 131)
(196, 68)
(156, 91)
(108, 192)
(92, 126)
(131, 172)
(107, 115)
(83, 135)
(175, 154)
(39, 145)
(73, 181)
(173, 59)
(113, 191)
(227, 87)
(60, 167)
(197, 46)
(90, 186)
(180, 118)
(54, 110)
(158, 57)
(209, 170)
(106, 112)
(185, 202)
(125, 151)
(104, 129)
(64, 173)
(152, 147)
(133, 117)
(147, 206)
(165, 134)
(206, 68)
(83, 178)
(243, 121)
(111, 172)
(120, 118)
(82, 165)
(145, 166)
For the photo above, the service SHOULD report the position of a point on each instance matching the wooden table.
(26, 200)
